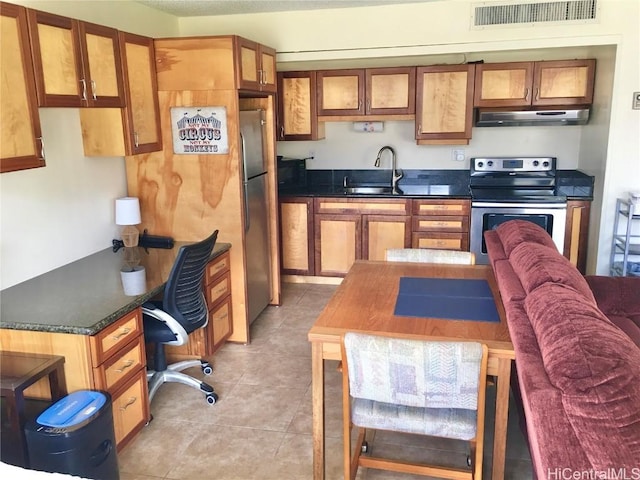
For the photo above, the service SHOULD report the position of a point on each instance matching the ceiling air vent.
(532, 13)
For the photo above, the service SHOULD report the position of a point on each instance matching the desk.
(19, 371)
(365, 302)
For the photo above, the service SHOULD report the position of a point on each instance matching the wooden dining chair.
(421, 387)
(429, 255)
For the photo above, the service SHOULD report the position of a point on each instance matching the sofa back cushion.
(597, 368)
(515, 232)
(536, 265)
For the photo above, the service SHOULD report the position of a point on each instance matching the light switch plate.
(636, 101)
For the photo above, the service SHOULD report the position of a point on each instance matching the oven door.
(488, 215)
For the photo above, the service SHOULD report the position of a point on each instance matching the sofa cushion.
(595, 365)
(515, 232)
(536, 265)
(619, 299)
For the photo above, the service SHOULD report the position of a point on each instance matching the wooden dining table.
(365, 302)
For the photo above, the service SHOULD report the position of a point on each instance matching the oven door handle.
(556, 205)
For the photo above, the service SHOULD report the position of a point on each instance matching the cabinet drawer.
(219, 289)
(354, 205)
(130, 408)
(119, 368)
(220, 320)
(216, 267)
(441, 207)
(446, 241)
(451, 223)
(109, 340)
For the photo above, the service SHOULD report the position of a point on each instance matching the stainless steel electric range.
(504, 189)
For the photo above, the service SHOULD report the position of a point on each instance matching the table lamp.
(128, 215)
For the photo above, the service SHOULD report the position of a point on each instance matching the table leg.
(502, 414)
(317, 391)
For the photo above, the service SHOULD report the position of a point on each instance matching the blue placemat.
(449, 298)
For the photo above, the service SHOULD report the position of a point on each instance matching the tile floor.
(261, 426)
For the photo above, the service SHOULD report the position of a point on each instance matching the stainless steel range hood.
(528, 118)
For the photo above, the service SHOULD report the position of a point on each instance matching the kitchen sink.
(368, 190)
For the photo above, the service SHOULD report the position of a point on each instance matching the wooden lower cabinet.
(440, 224)
(296, 235)
(113, 360)
(577, 233)
(348, 229)
(217, 289)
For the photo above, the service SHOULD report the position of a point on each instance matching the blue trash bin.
(75, 435)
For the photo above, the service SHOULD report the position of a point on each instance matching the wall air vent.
(524, 13)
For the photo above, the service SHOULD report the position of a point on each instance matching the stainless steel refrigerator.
(256, 227)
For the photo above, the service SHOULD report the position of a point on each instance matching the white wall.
(440, 31)
(57, 214)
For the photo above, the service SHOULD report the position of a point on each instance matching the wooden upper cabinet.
(142, 113)
(390, 91)
(562, 82)
(77, 64)
(374, 91)
(297, 108)
(341, 92)
(566, 82)
(444, 103)
(20, 136)
(256, 66)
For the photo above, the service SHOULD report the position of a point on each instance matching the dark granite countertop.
(435, 184)
(85, 296)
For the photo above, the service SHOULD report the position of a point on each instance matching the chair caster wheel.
(364, 448)
(211, 398)
(207, 369)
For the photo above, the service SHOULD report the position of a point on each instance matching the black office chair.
(182, 310)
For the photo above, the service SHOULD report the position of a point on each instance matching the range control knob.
(536, 163)
(545, 163)
(490, 163)
(480, 164)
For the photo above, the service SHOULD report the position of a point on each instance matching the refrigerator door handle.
(247, 220)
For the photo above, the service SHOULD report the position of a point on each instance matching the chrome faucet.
(396, 173)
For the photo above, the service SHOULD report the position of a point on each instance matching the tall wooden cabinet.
(77, 64)
(187, 196)
(21, 143)
(444, 103)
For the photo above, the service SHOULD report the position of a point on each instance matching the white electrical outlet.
(636, 101)
(457, 155)
(312, 154)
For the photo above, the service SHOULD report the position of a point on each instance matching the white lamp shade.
(128, 211)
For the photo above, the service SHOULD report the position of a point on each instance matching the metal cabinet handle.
(537, 93)
(125, 331)
(84, 88)
(135, 139)
(281, 131)
(93, 89)
(126, 365)
(261, 77)
(41, 140)
(131, 401)
(526, 93)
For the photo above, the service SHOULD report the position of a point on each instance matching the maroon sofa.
(577, 346)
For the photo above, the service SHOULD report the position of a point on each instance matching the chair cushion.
(537, 264)
(515, 232)
(438, 422)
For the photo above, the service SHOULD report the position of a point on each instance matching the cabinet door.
(142, 113)
(76, 63)
(341, 92)
(102, 67)
(577, 233)
(256, 66)
(267, 69)
(444, 102)
(221, 325)
(338, 240)
(297, 110)
(20, 136)
(296, 234)
(381, 232)
(566, 82)
(130, 409)
(390, 91)
(503, 84)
